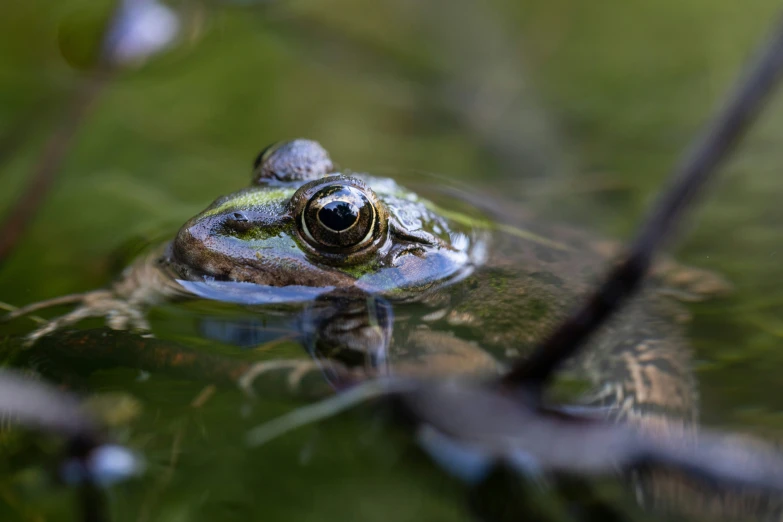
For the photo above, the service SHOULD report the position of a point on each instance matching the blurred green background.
(577, 109)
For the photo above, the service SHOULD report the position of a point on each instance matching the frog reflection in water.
(303, 231)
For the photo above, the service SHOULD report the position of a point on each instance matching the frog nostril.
(237, 221)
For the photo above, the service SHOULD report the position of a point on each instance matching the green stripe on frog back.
(254, 198)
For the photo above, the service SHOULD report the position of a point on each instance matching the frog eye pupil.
(338, 215)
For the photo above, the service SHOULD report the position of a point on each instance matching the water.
(575, 110)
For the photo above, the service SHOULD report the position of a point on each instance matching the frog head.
(302, 223)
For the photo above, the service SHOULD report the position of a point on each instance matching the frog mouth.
(252, 276)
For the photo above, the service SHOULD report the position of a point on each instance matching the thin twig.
(49, 164)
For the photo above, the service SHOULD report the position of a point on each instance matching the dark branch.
(472, 427)
(688, 180)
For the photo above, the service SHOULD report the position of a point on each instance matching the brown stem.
(49, 164)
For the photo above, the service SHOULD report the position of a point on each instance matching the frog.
(301, 229)
(473, 291)
(465, 292)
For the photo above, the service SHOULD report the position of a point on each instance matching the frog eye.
(339, 216)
